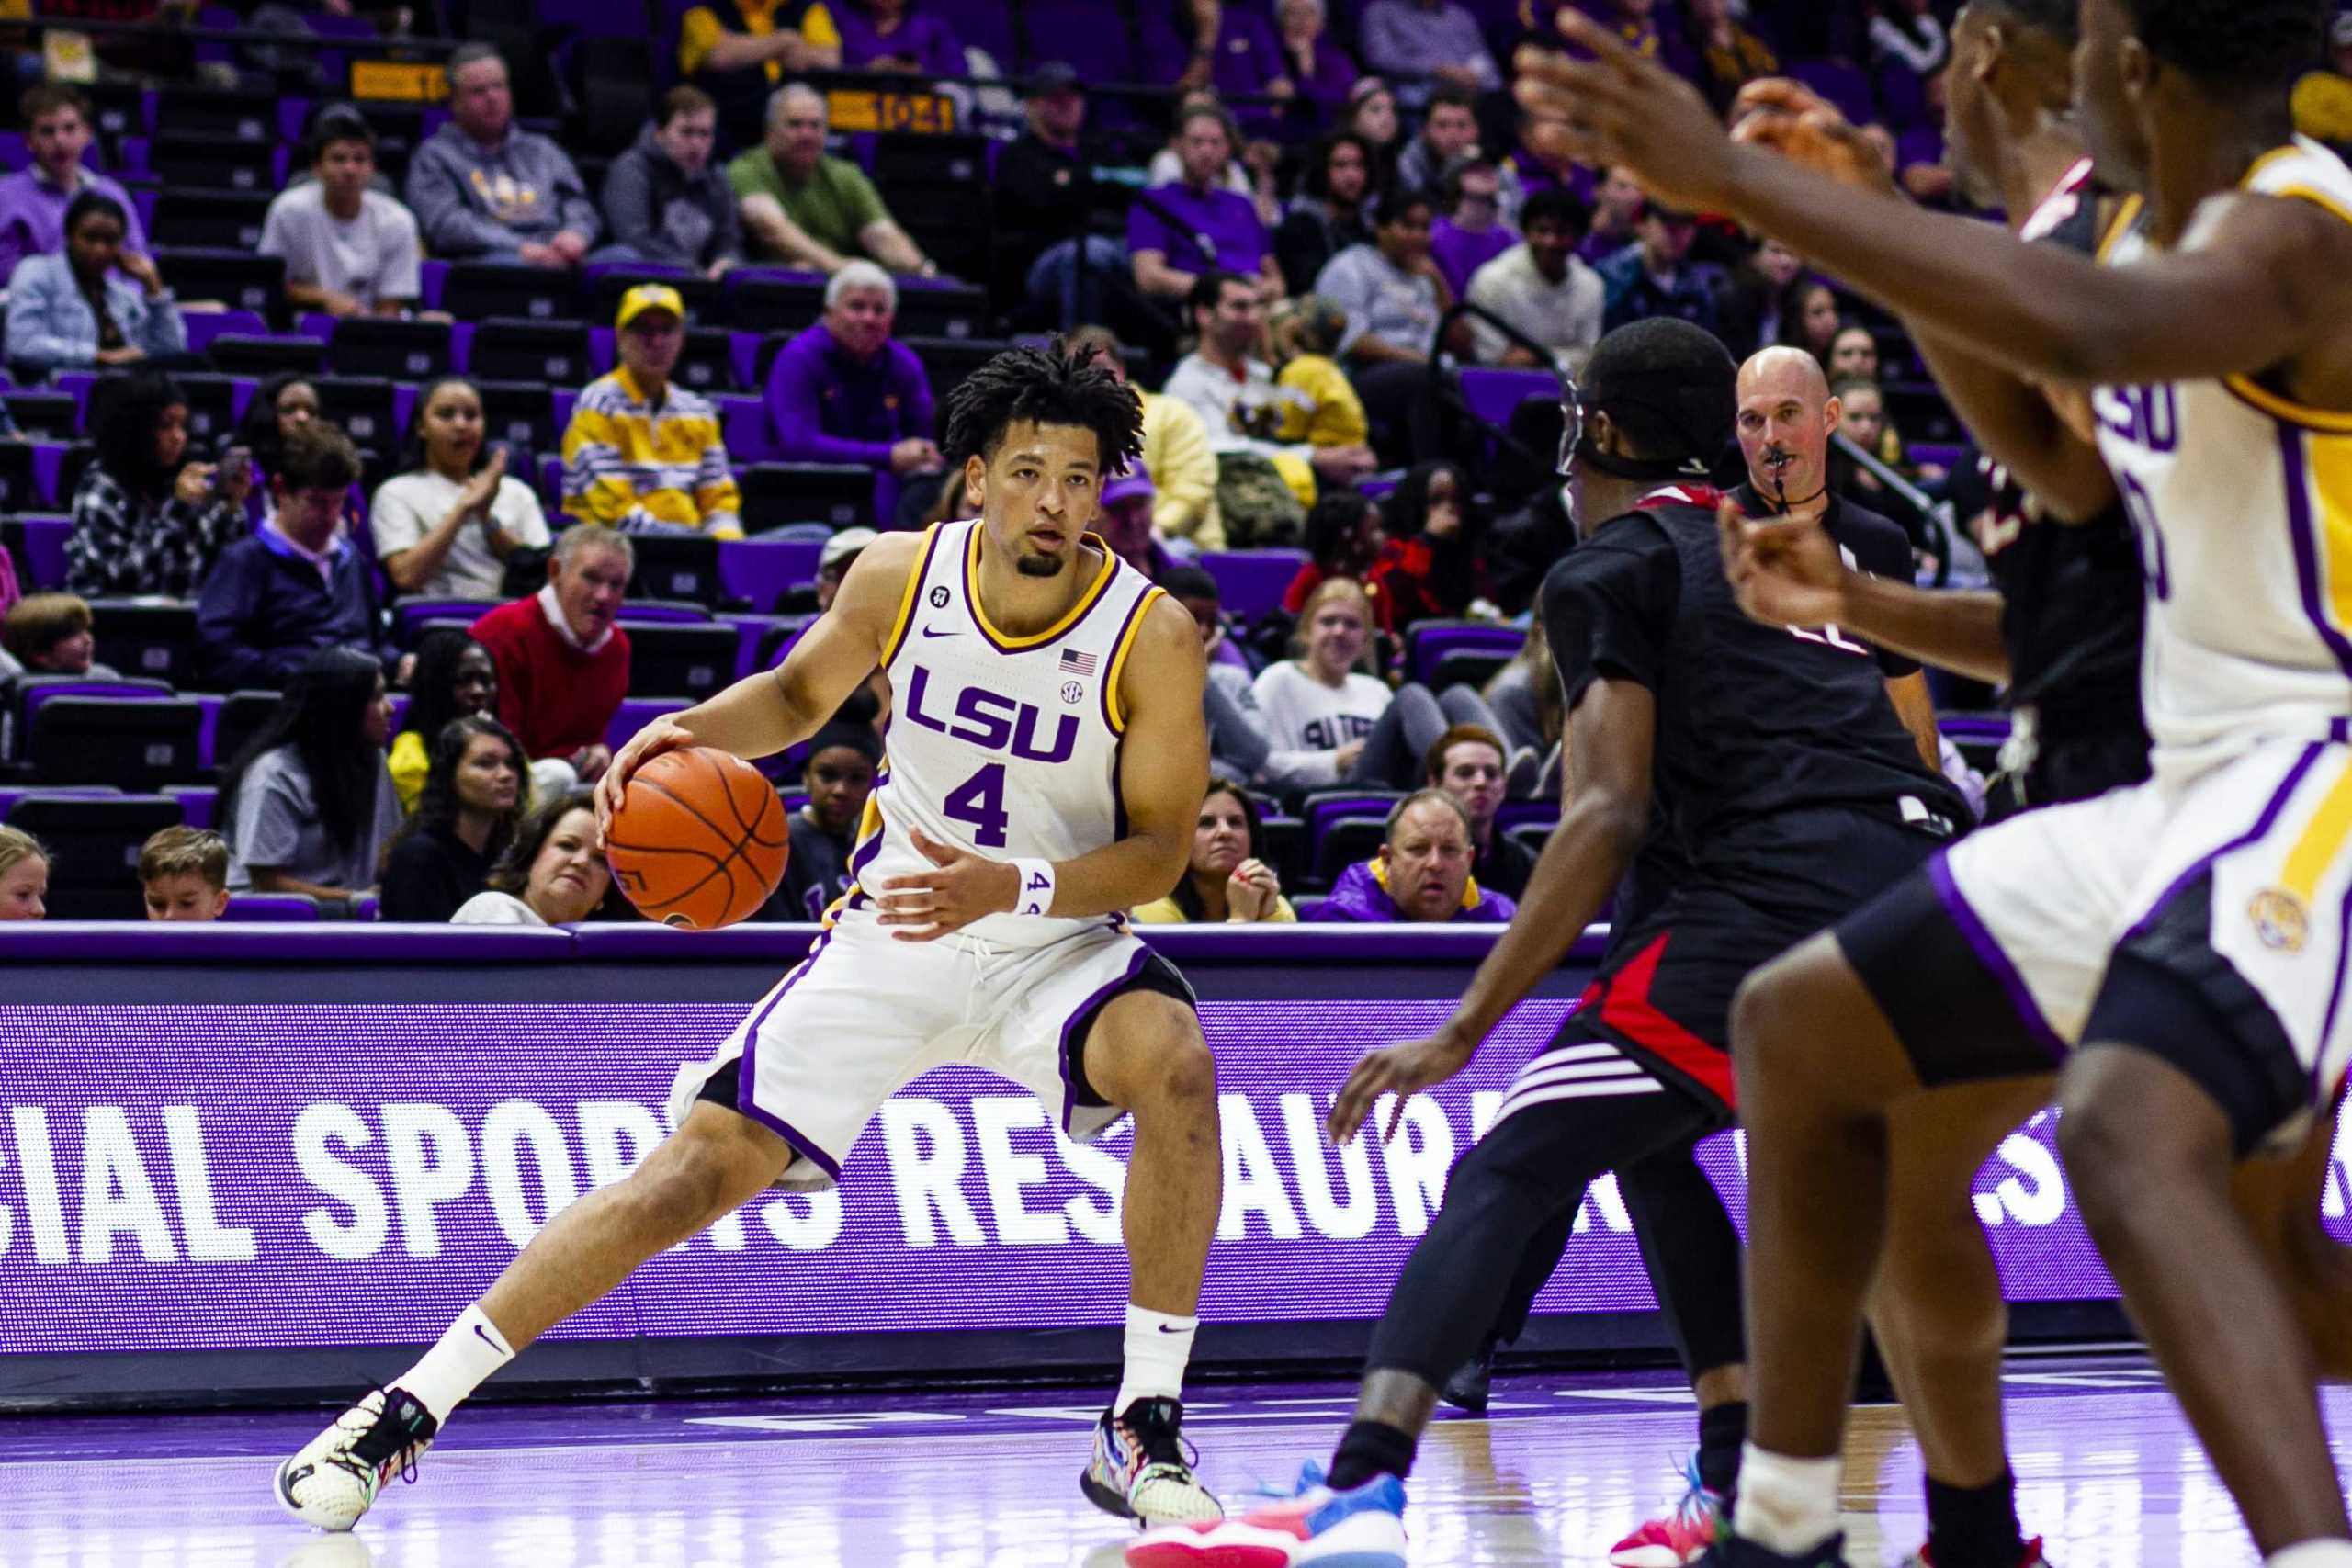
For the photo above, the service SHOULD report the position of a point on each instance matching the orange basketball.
(699, 841)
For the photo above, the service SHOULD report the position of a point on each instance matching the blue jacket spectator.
(297, 586)
(1422, 875)
(1168, 224)
(482, 189)
(1654, 276)
(846, 391)
(74, 308)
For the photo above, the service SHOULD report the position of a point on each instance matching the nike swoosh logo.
(929, 632)
(1163, 1329)
(483, 1334)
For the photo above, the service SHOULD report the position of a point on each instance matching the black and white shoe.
(335, 1479)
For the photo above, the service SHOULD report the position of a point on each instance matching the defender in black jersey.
(1776, 789)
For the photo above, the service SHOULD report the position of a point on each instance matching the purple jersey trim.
(1078, 1015)
(747, 1075)
(2262, 824)
(1096, 592)
(2300, 529)
(1988, 951)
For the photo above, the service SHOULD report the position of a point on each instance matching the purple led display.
(213, 1176)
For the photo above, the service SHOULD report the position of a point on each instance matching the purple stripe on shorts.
(746, 1074)
(1069, 1027)
(1988, 953)
(2262, 825)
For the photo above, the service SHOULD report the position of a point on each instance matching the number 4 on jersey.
(978, 802)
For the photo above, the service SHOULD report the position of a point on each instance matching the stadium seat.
(1429, 643)
(365, 407)
(635, 714)
(675, 566)
(136, 742)
(410, 615)
(19, 488)
(477, 291)
(63, 467)
(241, 716)
(190, 162)
(213, 403)
(205, 326)
(94, 843)
(183, 113)
(749, 433)
(236, 276)
(706, 363)
(248, 353)
(197, 802)
(514, 349)
(935, 310)
(44, 416)
(1100, 46)
(776, 638)
(839, 494)
(947, 360)
(27, 693)
(275, 908)
(773, 305)
(1281, 843)
(761, 571)
(1494, 394)
(604, 285)
(678, 659)
(1251, 582)
(400, 351)
(123, 107)
(151, 639)
(1343, 826)
(218, 218)
(522, 414)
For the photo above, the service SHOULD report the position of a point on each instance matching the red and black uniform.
(1787, 791)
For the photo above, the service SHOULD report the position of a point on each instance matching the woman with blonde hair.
(24, 876)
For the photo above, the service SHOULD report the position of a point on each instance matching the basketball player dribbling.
(2175, 951)
(1046, 758)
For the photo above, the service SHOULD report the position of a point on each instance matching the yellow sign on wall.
(856, 109)
(399, 82)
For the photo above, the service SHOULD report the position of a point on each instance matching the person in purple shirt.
(1422, 875)
(895, 35)
(1167, 223)
(1320, 68)
(1472, 232)
(1234, 53)
(33, 201)
(846, 391)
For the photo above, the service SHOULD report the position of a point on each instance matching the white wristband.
(1037, 894)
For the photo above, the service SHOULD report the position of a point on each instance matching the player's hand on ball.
(1618, 108)
(960, 889)
(1401, 1070)
(1782, 571)
(664, 734)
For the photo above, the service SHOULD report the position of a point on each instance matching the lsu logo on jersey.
(2279, 920)
(2147, 417)
(990, 721)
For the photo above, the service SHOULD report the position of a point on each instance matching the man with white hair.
(807, 208)
(846, 391)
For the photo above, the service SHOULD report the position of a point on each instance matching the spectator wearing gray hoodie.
(664, 201)
(484, 191)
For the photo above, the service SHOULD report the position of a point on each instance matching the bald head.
(1785, 416)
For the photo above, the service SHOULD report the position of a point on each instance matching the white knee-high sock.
(2312, 1554)
(469, 1353)
(1158, 1347)
(1789, 1505)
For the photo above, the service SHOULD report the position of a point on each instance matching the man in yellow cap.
(643, 454)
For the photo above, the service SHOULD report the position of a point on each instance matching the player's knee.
(690, 1181)
(1184, 1074)
(1151, 1058)
(2102, 1143)
(1767, 1021)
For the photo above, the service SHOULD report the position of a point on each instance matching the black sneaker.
(1472, 1383)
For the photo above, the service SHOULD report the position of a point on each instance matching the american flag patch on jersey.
(1077, 663)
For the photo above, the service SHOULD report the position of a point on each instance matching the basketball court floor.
(1563, 1466)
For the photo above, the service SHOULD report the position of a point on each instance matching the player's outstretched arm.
(1606, 811)
(2251, 286)
(1788, 573)
(762, 714)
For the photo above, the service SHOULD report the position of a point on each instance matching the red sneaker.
(1675, 1539)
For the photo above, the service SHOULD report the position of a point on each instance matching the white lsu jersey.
(1004, 746)
(2240, 502)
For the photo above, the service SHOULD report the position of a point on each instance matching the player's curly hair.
(1045, 386)
(2248, 43)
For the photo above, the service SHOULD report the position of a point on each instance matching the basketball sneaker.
(335, 1478)
(1675, 1539)
(1729, 1550)
(1363, 1527)
(2029, 1556)
(1142, 1468)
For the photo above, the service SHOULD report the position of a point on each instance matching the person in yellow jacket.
(1175, 449)
(1226, 883)
(642, 453)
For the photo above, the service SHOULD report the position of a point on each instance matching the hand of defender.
(1621, 108)
(664, 734)
(1782, 571)
(1403, 1069)
(963, 887)
(1792, 119)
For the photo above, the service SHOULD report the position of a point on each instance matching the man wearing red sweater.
(563, 658)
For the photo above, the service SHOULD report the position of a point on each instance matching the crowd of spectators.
(1276, 250)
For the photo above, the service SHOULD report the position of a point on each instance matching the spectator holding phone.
(145, 521)
(446, 524)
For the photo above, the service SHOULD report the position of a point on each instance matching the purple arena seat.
(749, 434)
(1494, 394)
(635, 714)
(1075, 31)
(838, 494)
(1344, 826)
(144, 740)
(676, 567)
(1251, 582)
(278, 908)
(762, 571)
(44, 536)
(680, 658)
(410, 615)
(1428, 644)
(198, 801)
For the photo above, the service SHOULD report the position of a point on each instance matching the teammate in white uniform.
(1045, 758)
(2176, 951)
